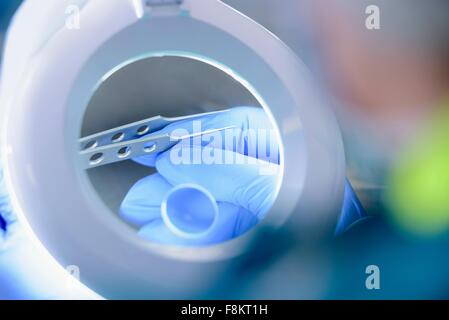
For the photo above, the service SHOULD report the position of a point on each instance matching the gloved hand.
(238, 166)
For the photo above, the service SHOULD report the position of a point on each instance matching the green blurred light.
(419, 188)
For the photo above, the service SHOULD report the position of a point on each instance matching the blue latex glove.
(352, 212)
(244, 189)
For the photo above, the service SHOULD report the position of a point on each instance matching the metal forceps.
(131, 140)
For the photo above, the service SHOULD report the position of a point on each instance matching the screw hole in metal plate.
(142, 130)
(124, 152)
(96, 158)
(91, 144)
(149, 147)
(118, 137)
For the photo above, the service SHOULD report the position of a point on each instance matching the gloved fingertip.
(142, 202)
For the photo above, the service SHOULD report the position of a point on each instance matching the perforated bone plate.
(131, 140)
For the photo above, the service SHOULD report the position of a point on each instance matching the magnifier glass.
(53, 193)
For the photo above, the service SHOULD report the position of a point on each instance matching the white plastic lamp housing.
(44, 116)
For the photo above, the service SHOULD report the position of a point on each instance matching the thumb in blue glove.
(142, 208)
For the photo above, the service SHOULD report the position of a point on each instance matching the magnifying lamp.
(53, 193)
